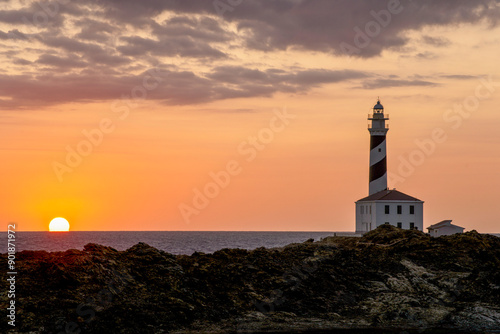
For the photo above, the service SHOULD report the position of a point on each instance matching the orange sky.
(211, 88)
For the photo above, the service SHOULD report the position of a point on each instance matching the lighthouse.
(384, 205)
(378, 152)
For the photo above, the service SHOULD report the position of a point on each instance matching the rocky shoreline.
(391, 279)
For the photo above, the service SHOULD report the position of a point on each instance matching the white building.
(389, 206)
(444, 228)
(383, 205)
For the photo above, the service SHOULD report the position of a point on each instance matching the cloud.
(300, 78)
(36, 15)
(61, 62)
(426, 55)
(175, 86)
(168, 46)
(179, 36)
(319, 25)
(204, 29)
(322, 25)
(459, 76)
(21, 61)
(13, 35)
(436, 41)
(95, 50)
(96, 31)
(388, 83)
(95, 53)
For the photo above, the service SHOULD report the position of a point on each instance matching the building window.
(400, 225)
(412, 210)
(412, 225)
(386, 209)
(370, 209)
(362, 209)
(400, 209)
(380, 150)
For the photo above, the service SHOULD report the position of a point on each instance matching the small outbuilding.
(444, 228)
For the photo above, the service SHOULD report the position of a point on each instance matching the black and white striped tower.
(378, 155)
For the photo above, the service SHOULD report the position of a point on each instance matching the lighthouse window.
(386, 209)
(412, 209)
(400, 209)
(380, 150)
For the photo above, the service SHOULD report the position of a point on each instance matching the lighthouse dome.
(378, 106)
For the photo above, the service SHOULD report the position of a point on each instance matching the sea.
(174, 242)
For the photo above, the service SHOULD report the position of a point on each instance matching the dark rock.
(95, 248)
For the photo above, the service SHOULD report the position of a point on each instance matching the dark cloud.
(368, 27)
(61, 62)
(97, 31)
(43, 90)
(21, 61)
(37, 15)
(203, 29)
(95, 53)
(179, 36)
(175, 87)
(87, 51)
(323, 25)
(315, 77)
(436, 41)
(300, 80)
(362, 28)
(13, 35)
(426, 55)
(459, 76)
(183, 46)
(387, 83)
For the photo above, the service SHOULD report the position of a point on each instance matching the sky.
(244, 115)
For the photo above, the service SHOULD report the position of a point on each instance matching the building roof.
(389, 195)
(443, 224)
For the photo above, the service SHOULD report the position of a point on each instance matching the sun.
(59, 225)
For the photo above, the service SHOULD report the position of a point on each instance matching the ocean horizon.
(175, 242)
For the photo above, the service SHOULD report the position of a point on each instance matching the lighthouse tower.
(384, 206)
(378, 153)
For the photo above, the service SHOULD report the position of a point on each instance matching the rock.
(95, 248)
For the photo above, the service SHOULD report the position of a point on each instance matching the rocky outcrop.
(389, 278)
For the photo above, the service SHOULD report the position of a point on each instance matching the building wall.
(365, 217)
(405, 218)
(446, 230)
(366, 221)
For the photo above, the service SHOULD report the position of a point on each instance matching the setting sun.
(59, 225)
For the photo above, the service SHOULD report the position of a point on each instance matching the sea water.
(175, 242)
